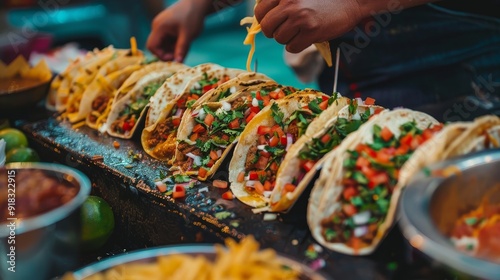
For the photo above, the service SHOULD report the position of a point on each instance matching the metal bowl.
(150, 255)
(45, 245)
(438, 196)
(23, 99)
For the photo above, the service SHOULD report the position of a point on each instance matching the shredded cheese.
(254, 29)
(133, 45)
(103, 117)
(78, 124)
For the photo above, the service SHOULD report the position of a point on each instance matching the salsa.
(477, 232)
(36, 193)
(371, 172)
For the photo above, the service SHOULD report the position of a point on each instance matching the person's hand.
(175, 28)
(301, 23)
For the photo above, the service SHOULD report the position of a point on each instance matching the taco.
(86, 74)
(359, 190)
(159, 140)
(305, 157)
(174, 86)
(132, 97)
(208, 134)
(109, 78)
(267, 139)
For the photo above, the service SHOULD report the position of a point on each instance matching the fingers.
(272, 20)
(264, 7)
(155, 45)
(181, 46)
(298, 43)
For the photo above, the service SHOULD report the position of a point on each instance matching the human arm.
(174, 29)
(300, 23)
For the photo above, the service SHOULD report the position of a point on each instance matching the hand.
(175, 28)
(301, 23)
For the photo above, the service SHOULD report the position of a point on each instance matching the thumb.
(181, 46)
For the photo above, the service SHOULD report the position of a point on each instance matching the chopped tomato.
(362, 162)
(386, 134)
(283, 140)
(324, 97)
(268, 186)
(437, 127)
(255, 109)
(349, 183)
(179, 192)
(281, 94)
(349, 209)
(349, 192)
(210, 163)
(263, 130)
(220, 184)
(326, 138)
(402, 150)
(427, 134)
(379, 179)
(253, 175)
(355, 243)
(234, 124)
(308, 165)
(126, 126)
(323, 105)
(383, 157)
(194, 97)
(277, 129)
(202, 172)
(368, 171)
(289, 187)
(369, 101)
(406, 140)
(209, 119)
(214, 155)
(241, 177)
(198, 128)
(259, 188)
(261, 163)
(228, 195)
(193, 137)
(250, 117)
(225, 137)
(258, 96)
(274, 166)
(266, 100)
(161, 187)
(273, 142)
(180, 102)
(416, 141)
(273, 95)
(208, 87)
(176, 121)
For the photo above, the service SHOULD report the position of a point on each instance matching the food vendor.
(414, 54)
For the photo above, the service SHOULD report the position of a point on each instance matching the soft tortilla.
(330, 194)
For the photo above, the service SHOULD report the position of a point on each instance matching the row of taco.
(282, 137)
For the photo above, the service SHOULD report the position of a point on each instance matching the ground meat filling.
(158, 135)
(100, 103)
(293, 129)
(251, 156)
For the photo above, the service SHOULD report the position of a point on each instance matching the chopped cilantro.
(277, 114)
(223, 215)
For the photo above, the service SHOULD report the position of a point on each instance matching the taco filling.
(265, 157)
(132, 111)
(99, 106)
(318, 147)
(167, 129)
(476, 232)
(369, 177)
(216, 130)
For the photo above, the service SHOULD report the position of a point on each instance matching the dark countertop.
(145, 218)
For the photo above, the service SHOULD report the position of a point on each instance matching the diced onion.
(196, 159)
(261, 147)
(219, 153)
(270, 217)
(255, 102)
(201, 114)
(267, 194)
(289, 141)
(251, 183)
(159, 183)
(372, 110)
(356, 116)
(226, 106)
(277, 90)
(360, 231)
(178, 113)
(361, 218)
(197, 85)
(232, 89)
(204, 189)
(360, 101)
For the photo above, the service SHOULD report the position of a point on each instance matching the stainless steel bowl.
(438, 196)
(150, 255)
(46, 245)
